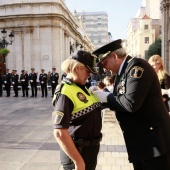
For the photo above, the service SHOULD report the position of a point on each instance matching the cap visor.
(92, 70)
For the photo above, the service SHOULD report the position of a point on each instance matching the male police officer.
(43, 82)
(33, 82)
(7, 82)
(24, 83)
(54, 80)
(139, 107)
(14, 80)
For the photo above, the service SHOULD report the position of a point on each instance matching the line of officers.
(12, 79)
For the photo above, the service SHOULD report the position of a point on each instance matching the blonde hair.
(68, 66)
(161, 72)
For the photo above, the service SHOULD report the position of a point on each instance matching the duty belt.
(87, 143)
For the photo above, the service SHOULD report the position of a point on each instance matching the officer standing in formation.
(14, 80)
(54, 80)
(7, 82)
(139, 107)
(24, 83)
(43, 82)
(33, 82)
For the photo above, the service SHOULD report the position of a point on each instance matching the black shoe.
(35, 96)
(42, 96)
(45, 96)
(15, 96)
(31, 96)
(23, 96)
(6, 96)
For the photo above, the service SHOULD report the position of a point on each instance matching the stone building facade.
(46, 33)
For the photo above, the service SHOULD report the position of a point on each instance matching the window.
(146, 27)
(146, 40)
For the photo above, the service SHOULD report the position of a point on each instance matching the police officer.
(7, 82)
(24, 83)
(139, 107)
(14, 80)
(43, 82)
(33, 82)
(77, 115)
(54, 80)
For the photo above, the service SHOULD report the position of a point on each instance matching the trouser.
(44, 90)
(15, 89)
(158, 163)
(53, 87)
(34, 89)
(8, 89)
(24, 90)
(89, 155)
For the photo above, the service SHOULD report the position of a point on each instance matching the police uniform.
(33, 82)
(43, 83)
(54, 80)
(7, 83)
(82, 117)
(14, 80)
(24, 83)
(140, 111)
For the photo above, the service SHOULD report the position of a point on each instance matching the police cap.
(103, 51)
(86, 58)
(32, 69)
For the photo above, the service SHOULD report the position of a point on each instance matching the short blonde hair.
(69, 65)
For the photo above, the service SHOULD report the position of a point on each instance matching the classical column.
(165, 9)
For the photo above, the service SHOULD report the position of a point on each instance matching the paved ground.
(27, 142)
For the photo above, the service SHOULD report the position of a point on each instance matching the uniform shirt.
(24, 79)
(54, 78)
(33, 77)
(87, 126)
(43, 78)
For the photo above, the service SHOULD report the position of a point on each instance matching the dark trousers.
(44, 89)
(24, 90)
(34, 89)
(89, 156)
(8, 89)
(15, 86)
(158, 163)
(53, 87)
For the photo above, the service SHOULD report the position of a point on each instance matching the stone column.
(165, 9)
